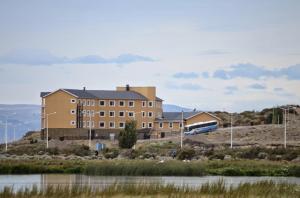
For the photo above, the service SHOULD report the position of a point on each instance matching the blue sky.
(229, 55)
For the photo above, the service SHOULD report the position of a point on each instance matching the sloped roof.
(172, 116)
(177, 116)
(102, 94)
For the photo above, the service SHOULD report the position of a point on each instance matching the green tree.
(128, 136)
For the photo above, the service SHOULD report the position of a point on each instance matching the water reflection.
(42, 181)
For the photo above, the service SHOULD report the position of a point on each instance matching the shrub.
(80, 150)
(128, 137)
(110, 153)
(217, 156)
(53, 151)
(186, 153)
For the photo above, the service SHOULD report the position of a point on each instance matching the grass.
(152, 167)
(218, 189)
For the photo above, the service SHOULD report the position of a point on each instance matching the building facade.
(74, 111)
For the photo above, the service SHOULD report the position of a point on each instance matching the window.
(88, 103)
(143, 125)
(130, 114)
(111, 124)
(102, 103)
(171, 125)
(72, 122)
(131, 103)
(161, 125)
(101, 124)
(150, 104)
(84, 113)
(122, 103)
(84, 124)
(102, 113)
(150, 124)
(121, 124)
(150, 114)
(87, 123)
(111, 114)
(87, 112)
(93, 113)
(73, 100)
(180, 125)
(83, 102)
(92, 102)
(112, 103)
(144, 104)
(143, 113)
(121, 114)
(93, 124)
(73, 111)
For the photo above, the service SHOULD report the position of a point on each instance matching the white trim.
(73, 99)
(132, 114)
(102, 112)
(71, 111)
(123, 114)
(92, 103)
(123, 125)
(59, 90)
(88, 103)
(124, 103)
(151, 114)
(151, 124)
(103, 124)
(144, 102)
(144, 114)
(113, 126)
(171, 125)
(102, 101)
(143, 125)
(113, 115)
(161, 125)
(151, 103)
(73, 122)
(130, 102)
(203, 112)
(112, 101)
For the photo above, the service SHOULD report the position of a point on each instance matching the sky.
(231, 55)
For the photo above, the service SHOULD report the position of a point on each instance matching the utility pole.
(181, 131)
(14, 133)
(285, 128)
(6, 135)
(230, 130)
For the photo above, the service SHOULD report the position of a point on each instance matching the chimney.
(127, 87)
(83, 88)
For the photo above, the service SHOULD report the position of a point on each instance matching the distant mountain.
(174, 108)
(22, 117)
(25, 118)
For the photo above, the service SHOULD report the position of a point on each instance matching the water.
(42, 180)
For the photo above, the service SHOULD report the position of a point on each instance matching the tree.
(128, 136)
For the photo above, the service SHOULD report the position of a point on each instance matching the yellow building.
(71, 112)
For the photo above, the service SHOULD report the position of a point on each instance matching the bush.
(186, 154)
(80, 150)
(217, 156)
(53, 151)
(128, 137)
(110, 153)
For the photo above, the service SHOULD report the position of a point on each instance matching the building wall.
(202, 117)
(59, 102)
(148, 92)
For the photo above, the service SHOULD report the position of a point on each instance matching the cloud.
(205, 75)
(186, 75)
(44, 57)
(257, 86)
(277, 89)
(213, 52)
(229, 90)
(185, 86)
(256, 72)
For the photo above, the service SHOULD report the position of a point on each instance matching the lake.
(42, 180)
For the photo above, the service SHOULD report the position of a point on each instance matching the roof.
(158, 99)
(177, 116)
(172, 116)
(102, 94)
